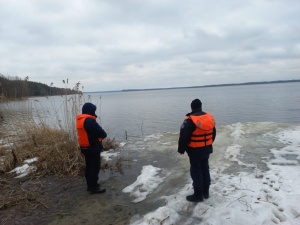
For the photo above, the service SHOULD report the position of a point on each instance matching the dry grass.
(58, 156)
(110, 143)
(56, 149)
(32, 136)
(57, 153)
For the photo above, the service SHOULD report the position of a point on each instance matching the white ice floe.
(232, 152)
(108, 155)
(238, 130)
(254, 197)
(150, 178)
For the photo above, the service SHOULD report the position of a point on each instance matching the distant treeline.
(218, 85)
(17, 88)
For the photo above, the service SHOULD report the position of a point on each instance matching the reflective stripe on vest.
(83, 139)
(203, 134)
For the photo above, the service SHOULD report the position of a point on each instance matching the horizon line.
(203, 86)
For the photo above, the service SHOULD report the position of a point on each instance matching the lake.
(160, 111)
(139, 113)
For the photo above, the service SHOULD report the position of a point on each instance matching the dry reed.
(58, 155)
(56, 149)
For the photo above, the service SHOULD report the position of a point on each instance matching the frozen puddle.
(255, 178)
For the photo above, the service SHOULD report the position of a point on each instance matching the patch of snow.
(108, 155)
(150, 178)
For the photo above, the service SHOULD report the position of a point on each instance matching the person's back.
(197, 134)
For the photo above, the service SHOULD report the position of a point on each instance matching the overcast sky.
(124, 44)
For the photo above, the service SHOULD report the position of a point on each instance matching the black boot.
(206, 192)
(97, 190)
(196, 197)
(89, 188)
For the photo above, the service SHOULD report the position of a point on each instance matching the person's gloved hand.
(181, 151)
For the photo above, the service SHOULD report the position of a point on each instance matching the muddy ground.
(62, 201)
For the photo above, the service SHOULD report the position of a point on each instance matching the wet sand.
(65, 201)
(112, 207)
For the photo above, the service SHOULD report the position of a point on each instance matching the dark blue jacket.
(93, 129)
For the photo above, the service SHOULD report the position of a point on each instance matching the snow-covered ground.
(255, 180)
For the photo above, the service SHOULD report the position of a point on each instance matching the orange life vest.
(203, 134)
(83, 139)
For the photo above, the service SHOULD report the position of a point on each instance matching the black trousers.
(92, 166)
(199, 169)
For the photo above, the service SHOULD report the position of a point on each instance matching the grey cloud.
(140, 43)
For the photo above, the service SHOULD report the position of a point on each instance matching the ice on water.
(255, 178)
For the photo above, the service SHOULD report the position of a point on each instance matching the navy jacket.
(93, 129)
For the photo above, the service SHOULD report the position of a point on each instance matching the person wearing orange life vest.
(197, 134)
(90, 136)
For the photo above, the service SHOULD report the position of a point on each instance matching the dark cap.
(196, 104)
(89, 108)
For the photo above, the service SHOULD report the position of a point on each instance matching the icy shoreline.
(241, 192)
(255, 172)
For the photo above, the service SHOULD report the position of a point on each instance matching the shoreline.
(248, 163)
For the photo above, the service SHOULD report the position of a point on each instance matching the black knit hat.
(89, 108)
(196, 104)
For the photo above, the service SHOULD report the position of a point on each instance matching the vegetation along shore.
(41, 167)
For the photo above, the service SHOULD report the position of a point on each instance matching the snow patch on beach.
(23, 171)
(150, 178)
(31, 160)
